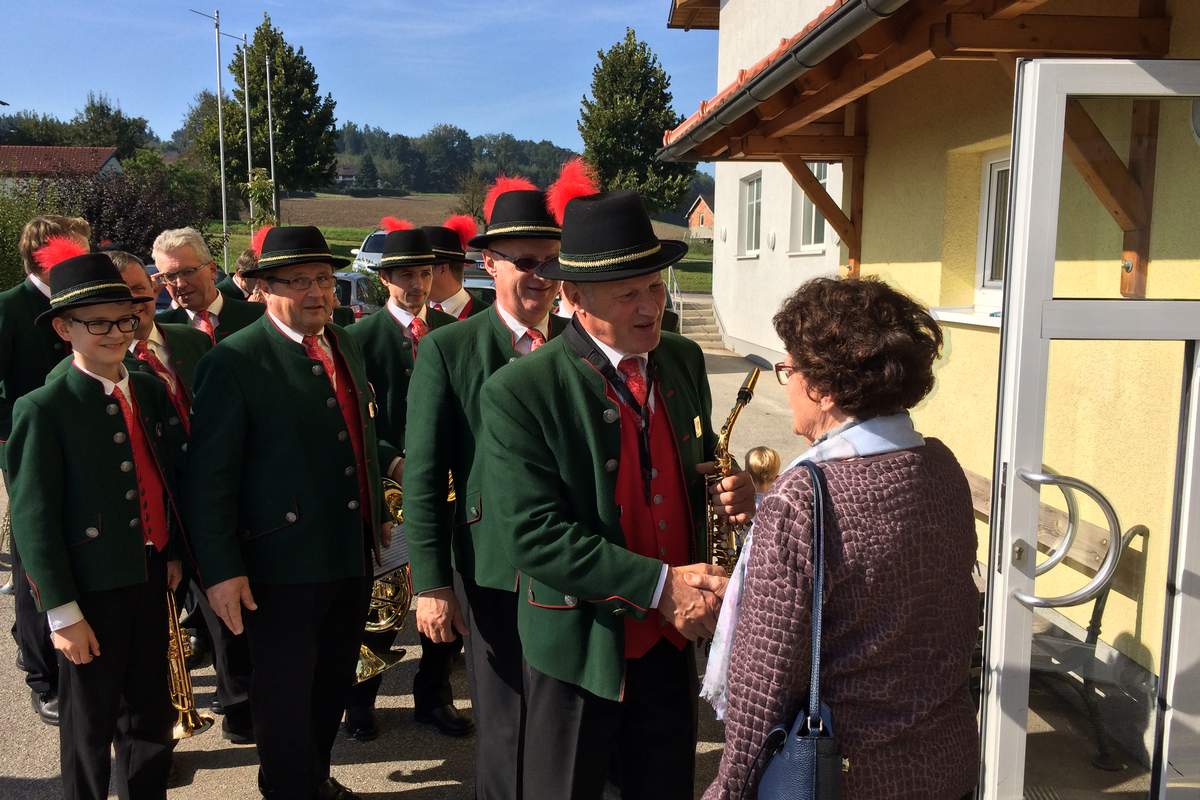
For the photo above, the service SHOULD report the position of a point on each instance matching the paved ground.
(409, 760)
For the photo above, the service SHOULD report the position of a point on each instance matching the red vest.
(661, 528)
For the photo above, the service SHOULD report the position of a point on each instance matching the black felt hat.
(286, 245)
(608, 237)
(88, 279)
(406, 248)
(446, 244)
(518, 214)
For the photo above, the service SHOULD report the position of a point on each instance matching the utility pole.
(246, 104)
(271, 142)
(216, 18)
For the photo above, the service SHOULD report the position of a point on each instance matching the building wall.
(700, 222)
(1112, 408)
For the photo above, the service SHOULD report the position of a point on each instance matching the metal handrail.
(1116, 543)
(673, 288)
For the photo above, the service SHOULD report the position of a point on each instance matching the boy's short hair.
(40, 229)
(247, 260)
(763, 465)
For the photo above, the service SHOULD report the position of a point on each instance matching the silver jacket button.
(653, 473)
(291, 516)
(570, 600)
(343, 435)
(173, 421)
(119, 437)
(408, 372)
(92, 533)
(126, 466)
(658, 498)
(133, 523)
(610, 415)
(331, 402)
(131, 494)
(183, 447)
(112, 409)
(514, 358)
(352, 505)
(349, 471)
(317, 369)
(662, 524)
(611, 465)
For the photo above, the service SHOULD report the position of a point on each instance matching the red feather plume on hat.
(503, 185)
(260, 236)
(56, 250)
(577, 179)
(390, 224)
(464, 225)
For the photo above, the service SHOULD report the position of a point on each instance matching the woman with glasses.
(900, 608)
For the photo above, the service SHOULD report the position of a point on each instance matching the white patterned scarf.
(852, 439)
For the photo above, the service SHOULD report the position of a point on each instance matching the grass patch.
(694, 275)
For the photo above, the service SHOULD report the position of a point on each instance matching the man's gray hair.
(181, 237)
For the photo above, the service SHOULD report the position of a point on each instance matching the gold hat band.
(608, 262)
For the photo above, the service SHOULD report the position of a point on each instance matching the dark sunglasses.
(525, 264)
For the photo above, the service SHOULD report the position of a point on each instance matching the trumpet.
(190, 721)
(723, 539)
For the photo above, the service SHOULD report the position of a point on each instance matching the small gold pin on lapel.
(699, 428)
(371, 409)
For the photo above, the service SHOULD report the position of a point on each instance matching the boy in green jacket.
(91, 462)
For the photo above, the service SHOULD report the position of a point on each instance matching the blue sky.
(519, 66)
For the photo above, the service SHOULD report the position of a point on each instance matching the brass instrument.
(723, 539)
(391, 596)
(190, 721)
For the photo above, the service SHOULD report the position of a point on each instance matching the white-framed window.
(992, 248)
(807, 233)
(749, 214)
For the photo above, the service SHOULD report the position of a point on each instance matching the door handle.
(1116, 542)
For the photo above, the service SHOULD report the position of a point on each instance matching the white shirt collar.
(214, 308)
(518, 328)
(455, 303)
(615, 356)
(108, 385)
(295, 336)
(403, 316)
(39, 284)
(155, 339)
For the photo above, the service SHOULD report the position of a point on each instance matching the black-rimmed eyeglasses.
(102, 327)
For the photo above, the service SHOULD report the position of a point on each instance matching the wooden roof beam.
(820, 198)
(1008, 9)
(812, 148)
(1058, 35)
(1102, 169)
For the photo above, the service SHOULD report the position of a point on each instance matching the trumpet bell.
(189, 724)
(371, 663)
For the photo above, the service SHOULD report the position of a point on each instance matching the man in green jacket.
(443, 422)
(447, 293)
(189, 272)
(597, 491)
(28, 353)
(283, 505)
(390, 340)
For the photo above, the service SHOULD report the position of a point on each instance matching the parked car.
(163, 300)
(478, 280)
(359, 292)
(370, 252)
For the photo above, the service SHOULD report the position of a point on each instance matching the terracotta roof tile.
(29, 160)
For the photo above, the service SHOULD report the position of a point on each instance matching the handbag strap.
(813, 720)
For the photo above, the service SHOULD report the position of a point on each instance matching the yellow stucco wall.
(1112, 408)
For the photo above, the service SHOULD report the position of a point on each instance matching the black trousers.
(495, 671)
(645, 745)
(32, 634)
(122, 696)
(304, 645)
(231, 654)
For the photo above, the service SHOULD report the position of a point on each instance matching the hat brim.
(95, 300)
(485, 240)
(291, 261)
(669, 251)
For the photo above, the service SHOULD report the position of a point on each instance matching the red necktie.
(317, 353)
(634, 379)
(536, 339)
(206, 324)
(437, 306)
(143, 353)
(149, 481)
(417, 330)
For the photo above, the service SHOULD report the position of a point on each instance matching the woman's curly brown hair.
(868, 346)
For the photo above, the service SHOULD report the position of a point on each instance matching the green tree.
(368, 176)
(622, 124)
(30, 128)
(305, 128)
(101, 123)
(448, 153)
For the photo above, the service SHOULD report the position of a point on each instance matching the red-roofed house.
(24, 161)
(875, 138)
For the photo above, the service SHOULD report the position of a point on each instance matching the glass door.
(1092, 633)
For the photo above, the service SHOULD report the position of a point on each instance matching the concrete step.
(688, 316)
(707, 340)
(690, 328)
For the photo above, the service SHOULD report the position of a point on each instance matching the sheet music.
(394, 556)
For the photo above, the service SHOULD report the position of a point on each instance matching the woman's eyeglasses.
(784, 372)
(525, 264)
(102, 327)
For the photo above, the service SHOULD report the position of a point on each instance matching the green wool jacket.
(28, 352)
(235, 315)
(480, 302)
(270, 490)
(228, 287)
(344, 316)
(185, 344)
(389, 356)
(440, 433)
(76, 516)
(551, 443)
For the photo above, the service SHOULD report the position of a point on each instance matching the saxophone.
(190, 721)
(723, 539)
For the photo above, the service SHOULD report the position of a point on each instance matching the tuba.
(723, 539)
(190, 721)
